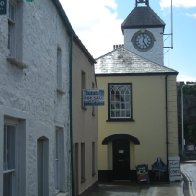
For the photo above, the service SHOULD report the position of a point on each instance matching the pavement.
(134, 189)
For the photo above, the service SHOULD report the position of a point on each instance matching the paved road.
(189, 170)
(130, 189)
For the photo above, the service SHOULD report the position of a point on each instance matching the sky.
(98, 25)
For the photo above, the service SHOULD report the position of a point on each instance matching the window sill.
(120, 120)
(16, 62)
(61, 194)
(60, 91)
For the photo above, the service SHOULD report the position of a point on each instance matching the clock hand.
(144, 41)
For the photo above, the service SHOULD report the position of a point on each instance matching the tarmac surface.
(130, 189)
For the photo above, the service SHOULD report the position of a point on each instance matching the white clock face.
(143, 41)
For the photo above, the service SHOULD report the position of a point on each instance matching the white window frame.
(120, 101)
(9, 166)
(18, 171)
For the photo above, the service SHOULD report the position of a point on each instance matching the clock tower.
(143, 32)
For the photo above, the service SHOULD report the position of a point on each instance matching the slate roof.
(142, 17)
(123, 62)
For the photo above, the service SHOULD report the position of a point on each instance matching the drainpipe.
(70, 112)
(166, 113)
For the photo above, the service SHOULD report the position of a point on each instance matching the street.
(134, 189)
(188, 169)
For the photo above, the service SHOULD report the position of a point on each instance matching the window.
(120, 101)
(93, 159)
(82, 162)
(83, 80)
(14, 157)
(12, 28)
(9, 160)
(59, 161)
(83, 86)
(59, 69)
(15, 34)
(93, 107)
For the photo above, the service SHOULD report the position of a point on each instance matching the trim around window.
(120, 102)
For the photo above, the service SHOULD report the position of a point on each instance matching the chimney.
(117, 46)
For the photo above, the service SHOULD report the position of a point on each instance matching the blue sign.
(93, 97)
(3, 7)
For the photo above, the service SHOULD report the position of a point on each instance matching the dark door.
(43, 165)
(121, 160)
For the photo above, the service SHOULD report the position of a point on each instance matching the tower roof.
(142, 17)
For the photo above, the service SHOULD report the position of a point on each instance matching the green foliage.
(189, 90)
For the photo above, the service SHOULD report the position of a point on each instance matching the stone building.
(36, 47)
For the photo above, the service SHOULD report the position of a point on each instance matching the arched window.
(120, 101)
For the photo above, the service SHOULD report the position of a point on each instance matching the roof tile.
(122, 61)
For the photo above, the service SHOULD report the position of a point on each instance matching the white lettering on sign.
(93, 97)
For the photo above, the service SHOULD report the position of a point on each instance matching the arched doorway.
(121, 154)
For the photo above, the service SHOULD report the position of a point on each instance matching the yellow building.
(84, 120)
(138, 122)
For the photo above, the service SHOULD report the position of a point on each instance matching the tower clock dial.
(143, 40)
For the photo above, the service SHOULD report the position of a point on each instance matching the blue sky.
(97, 23)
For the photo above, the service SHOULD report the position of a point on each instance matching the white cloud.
(186, 78)
(192, 15)
(178, 3)
(96, 24)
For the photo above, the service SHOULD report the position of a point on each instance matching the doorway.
(42, 166)
(121, 159)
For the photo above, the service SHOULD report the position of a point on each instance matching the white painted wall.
(155, 54)
(30, 94)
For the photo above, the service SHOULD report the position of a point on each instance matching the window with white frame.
(120, 96)
(9, 156)
(14, 156)
(59, 161)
